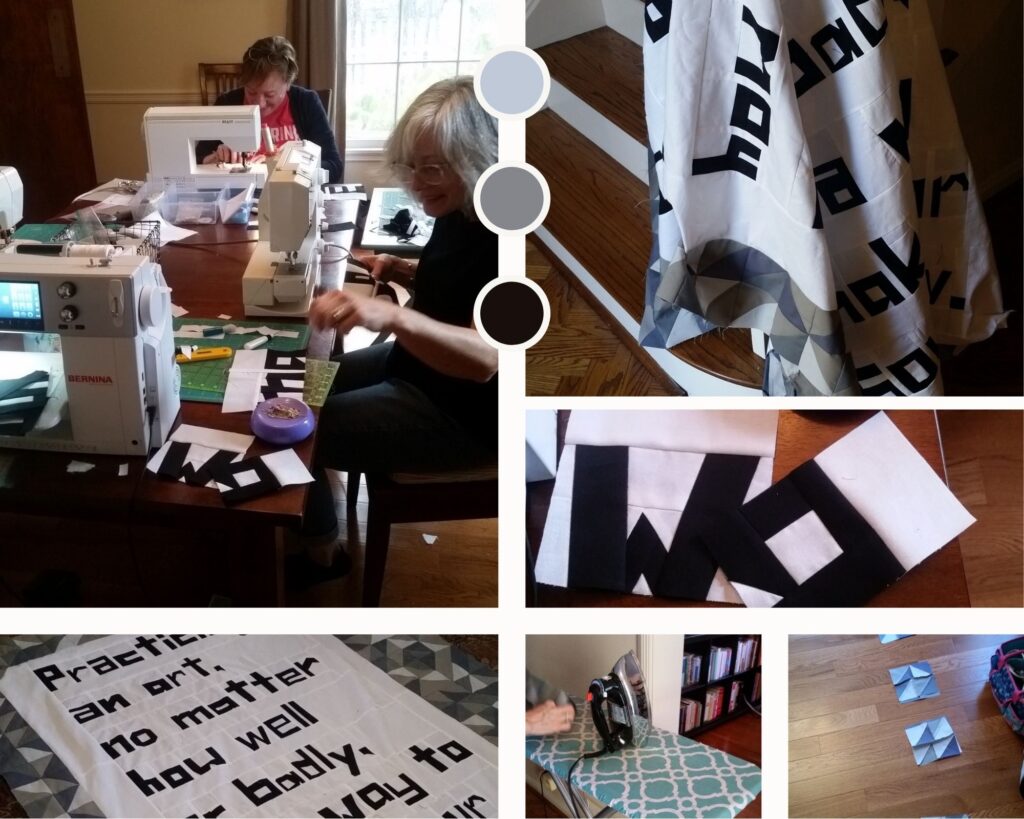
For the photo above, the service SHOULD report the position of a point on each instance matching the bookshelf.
(709, 677)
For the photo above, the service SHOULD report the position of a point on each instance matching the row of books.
(719, 662)
(692, 713)
(691, 669)
(746, 654)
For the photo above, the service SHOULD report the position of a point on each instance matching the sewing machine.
(12, 202)
(172, 133)
(285, 265)
(86, 355)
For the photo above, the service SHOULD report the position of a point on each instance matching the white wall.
(661, 657)
(553, 20)
(626, 17)
(571, 661)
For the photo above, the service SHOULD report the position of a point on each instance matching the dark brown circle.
(511, 313)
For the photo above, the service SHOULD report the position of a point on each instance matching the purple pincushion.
(282, 421)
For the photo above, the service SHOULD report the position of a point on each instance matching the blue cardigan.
(310, 121)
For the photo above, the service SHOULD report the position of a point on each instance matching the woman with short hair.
(291, 112)
(428, 400)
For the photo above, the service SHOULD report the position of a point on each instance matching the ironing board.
(444, 675)
(670, 775)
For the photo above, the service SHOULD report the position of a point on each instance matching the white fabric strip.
(734, 432)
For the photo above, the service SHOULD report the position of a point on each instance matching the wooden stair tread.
(606, 70)
(600, 213)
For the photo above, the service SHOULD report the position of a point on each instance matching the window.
(396, 48)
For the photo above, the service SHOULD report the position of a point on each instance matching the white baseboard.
(611, 139)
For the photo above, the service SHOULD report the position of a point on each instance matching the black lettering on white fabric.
(657, 14)
(897, 134)
(769, 42)
(844, 49)
(810, 74)
(836, 186)
(924, 361)
(873, 35)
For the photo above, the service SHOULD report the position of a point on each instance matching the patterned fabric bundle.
(1007, 680)
(809, 180)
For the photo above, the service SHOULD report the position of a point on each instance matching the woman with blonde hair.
(428, 400)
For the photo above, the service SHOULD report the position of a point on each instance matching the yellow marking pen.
(205, 354)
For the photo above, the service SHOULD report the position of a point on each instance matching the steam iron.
(620, 706)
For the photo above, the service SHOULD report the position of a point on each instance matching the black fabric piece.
(340, 226)
(657, 29)
(13, 385)
(597, 529)
(644, 554)
(14, 424)
(220, 460)
(276, 361)
(226, 475)
(174, 461)
(865, 567)
(276, 386)
(722, 484)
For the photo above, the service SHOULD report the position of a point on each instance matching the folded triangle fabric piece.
(841, 527)
(914, 682)
(932, 740)
(634, 490)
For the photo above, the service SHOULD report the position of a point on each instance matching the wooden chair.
(410, 497)
(326, 95)
(216, 78)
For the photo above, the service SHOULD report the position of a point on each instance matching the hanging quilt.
(809, 180)
(209, 725)
(634, 490)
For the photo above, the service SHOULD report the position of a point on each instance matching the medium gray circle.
(511, 198)
(511, 82)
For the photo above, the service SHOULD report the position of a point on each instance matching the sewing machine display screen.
(20, 306)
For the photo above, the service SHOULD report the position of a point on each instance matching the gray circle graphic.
(511, 198)
(511, 82)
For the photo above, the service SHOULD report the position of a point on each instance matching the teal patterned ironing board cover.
(670, 775)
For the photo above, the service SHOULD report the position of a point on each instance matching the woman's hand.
(222, 154)
(343, 311)
(388, 268)
(548, 718)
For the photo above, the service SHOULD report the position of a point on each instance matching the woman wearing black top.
(429, 400)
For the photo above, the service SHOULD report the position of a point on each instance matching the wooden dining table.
(99, 538)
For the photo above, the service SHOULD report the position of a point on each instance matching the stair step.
(599, 212)
(605, 70)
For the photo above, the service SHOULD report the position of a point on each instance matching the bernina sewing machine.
(285, 265)
(172, 133)
(86, 355)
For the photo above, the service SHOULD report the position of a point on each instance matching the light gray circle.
(511, 82)
(511, 198)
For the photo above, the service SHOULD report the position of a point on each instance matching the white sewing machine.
(86, 355)
(172, 133)
(285, 266)
(12, 202)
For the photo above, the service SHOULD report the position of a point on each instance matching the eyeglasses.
(428, 174)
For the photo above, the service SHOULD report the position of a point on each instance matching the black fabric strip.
(174, 460)
(236, 494)
(11, 386)
(722, 484)
(20, 424)
(644, 554)
(340, 226)
(597, 529)
(866, 566)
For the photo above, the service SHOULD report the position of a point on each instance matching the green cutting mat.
(205, 381)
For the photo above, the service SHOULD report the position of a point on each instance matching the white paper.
(168, 232)
(213, 438)
(177, 311)
(287, 467)
(122, 471)
(79, 466)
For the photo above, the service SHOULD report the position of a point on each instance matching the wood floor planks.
(849, 755)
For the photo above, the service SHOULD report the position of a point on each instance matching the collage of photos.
(577, 327)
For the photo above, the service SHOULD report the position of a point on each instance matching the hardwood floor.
(985, 467)
(740, 737)
(848, 753)
(581, 354)
(459, 569)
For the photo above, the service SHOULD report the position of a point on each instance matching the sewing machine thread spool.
(268, 140)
